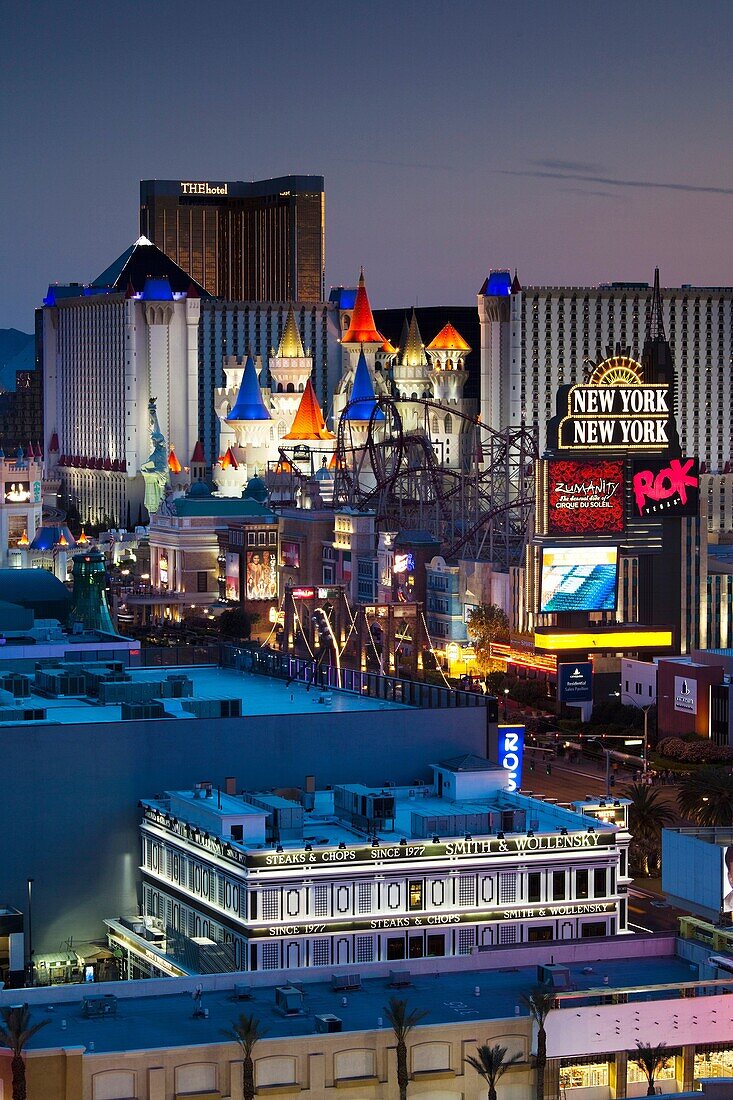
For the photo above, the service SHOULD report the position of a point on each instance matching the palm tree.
(650, 1059)
(492, 1063)
(247, 1032)
(707, 796)
(402, 1023)
(648, 815)
(540, 1001)
(16, 1031)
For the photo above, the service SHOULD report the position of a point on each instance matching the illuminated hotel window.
(713, 1061)
(582, 1074)
(634, 1075)
(320, 901)
(415, 889)
(270, 904)
(507, 888)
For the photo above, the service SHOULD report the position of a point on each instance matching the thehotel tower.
(261, 241)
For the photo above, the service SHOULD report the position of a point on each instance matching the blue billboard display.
(575, 682)
(511, 754)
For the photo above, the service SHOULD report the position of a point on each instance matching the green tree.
(16, 1031)
(402, 1022)
(650, 1059)
(247, 1031)
(648, 815)
(706, 796)
(487, 623)
(540, 1001)
(492, 1063)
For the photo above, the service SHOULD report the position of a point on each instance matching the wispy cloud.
(591, 193)
(611, 181)
(567, 165)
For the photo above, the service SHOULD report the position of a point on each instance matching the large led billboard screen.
(585, 497)
(578, 578)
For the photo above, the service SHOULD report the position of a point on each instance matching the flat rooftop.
(419, 814)
(259, 695)
(155, 1021)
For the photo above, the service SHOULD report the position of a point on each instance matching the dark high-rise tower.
(261, 241)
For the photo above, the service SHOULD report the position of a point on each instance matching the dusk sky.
(580, 142)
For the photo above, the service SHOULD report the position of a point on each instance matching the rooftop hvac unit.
(289, 1000)
(22, 714)
(327, 1022)
(214, 708)
(133, 712)
(18, 685)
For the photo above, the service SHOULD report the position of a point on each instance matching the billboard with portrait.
(261, 581)
(232, 577)
(585, 497)
(579, 578)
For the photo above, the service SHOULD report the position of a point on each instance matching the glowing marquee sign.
(616, 410)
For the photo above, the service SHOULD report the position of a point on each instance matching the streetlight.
(645, 711)
(31, 965)
(506, 703)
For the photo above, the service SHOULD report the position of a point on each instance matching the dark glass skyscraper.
(261, 241)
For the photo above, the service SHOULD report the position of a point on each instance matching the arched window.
(279, 387)
(291, 388)
(448, 424)
(436, 429)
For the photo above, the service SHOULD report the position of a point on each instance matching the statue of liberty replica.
(155, 469)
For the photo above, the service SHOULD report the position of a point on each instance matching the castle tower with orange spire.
(360, 340)
(446, 354)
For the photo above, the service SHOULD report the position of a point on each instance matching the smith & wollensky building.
(261, 241)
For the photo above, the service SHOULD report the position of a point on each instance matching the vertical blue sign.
(511, 753)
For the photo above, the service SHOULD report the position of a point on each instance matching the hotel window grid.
(320, 901)
(507, 887)
(466, 890)
(270, 956)
(508, 933)
(270, 904)
(364, 949)
(365, 897)
(466, 940)
(321, 952)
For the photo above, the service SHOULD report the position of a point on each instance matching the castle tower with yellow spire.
(290, 370)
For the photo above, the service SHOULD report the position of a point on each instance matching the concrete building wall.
(70, 818)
